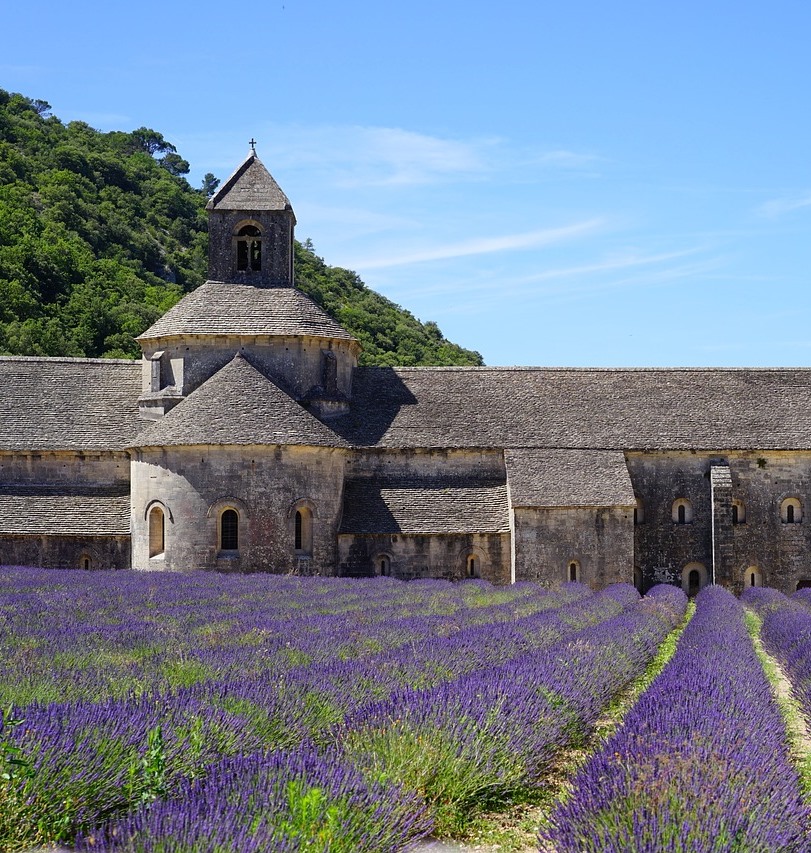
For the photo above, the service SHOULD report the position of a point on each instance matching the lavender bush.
(468, 742)
(786, 635)
(282, 802)
(699, 763)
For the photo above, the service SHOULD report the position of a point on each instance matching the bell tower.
(250, 224)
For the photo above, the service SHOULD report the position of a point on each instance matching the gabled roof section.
(79, 404)
(251, 187)
(711, 409)
(238, 405)
(65, 511)
(568, 478)
(456, 505)
(217, 308)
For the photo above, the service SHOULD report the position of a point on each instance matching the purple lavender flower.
(699, 763)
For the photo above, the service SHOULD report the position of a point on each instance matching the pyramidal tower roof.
(251, 187)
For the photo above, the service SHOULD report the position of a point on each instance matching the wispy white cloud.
(612, 263)
(357, 156)
(481, 246)
(780, 206)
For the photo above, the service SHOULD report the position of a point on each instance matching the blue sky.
(588, 183)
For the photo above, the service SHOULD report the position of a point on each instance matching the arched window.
(249, 248)
(156, 532)
(791, 511)
(303, 532)
(229, 530)
(573, 571)
(639, 512)
(682, 511)
(738, 512)
(85, 562)
(383, 565)
(693, 578)
(473, 566)
(752, 577)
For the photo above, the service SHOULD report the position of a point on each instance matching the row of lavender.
(85, 759)
(700, 763)
(74, 635)
(786, 635)
(396, 767)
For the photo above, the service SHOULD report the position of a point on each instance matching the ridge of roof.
(560, 369)
(69, 359)
(250, 187)
(238, 405)
(221, 308)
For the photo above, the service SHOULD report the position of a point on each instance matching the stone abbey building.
(248, 439)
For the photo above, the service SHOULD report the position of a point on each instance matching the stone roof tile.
(68, 403)
(250, 187)
(425, 506)
(64, 511)
(238, 405)
(620, 409)
(217, 308)
(557, 478)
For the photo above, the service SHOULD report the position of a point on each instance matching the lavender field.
(207, 712)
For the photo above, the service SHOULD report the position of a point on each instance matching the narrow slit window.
(156, 531)
(303, 532)
(229, 530)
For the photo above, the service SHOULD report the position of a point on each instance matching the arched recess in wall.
(791, 511)
(382, 564)
(247, 246)
(573, 573)
(230, 519)
(473, 562)
(302, 515)
(157, 516)
(694, 577)
(88, 560)
(682, 511)
(753, 577)
(738, 512)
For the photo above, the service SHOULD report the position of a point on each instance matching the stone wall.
(277, 247)
(598, 540)
(296, 363)
(65, 468)
(761, 480)
(419, 463)
(264, 484)
(66, 552)
(426, 556)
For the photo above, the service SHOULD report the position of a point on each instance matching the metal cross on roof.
(252, 143)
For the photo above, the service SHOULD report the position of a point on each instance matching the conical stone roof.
(238, 406)
(218, 308)
(251, 187)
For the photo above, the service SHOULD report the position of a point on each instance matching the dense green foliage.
(100, 234)
(390, 336)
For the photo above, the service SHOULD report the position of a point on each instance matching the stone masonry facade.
(247, 439)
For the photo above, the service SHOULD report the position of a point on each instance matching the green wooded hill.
(101, 233)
